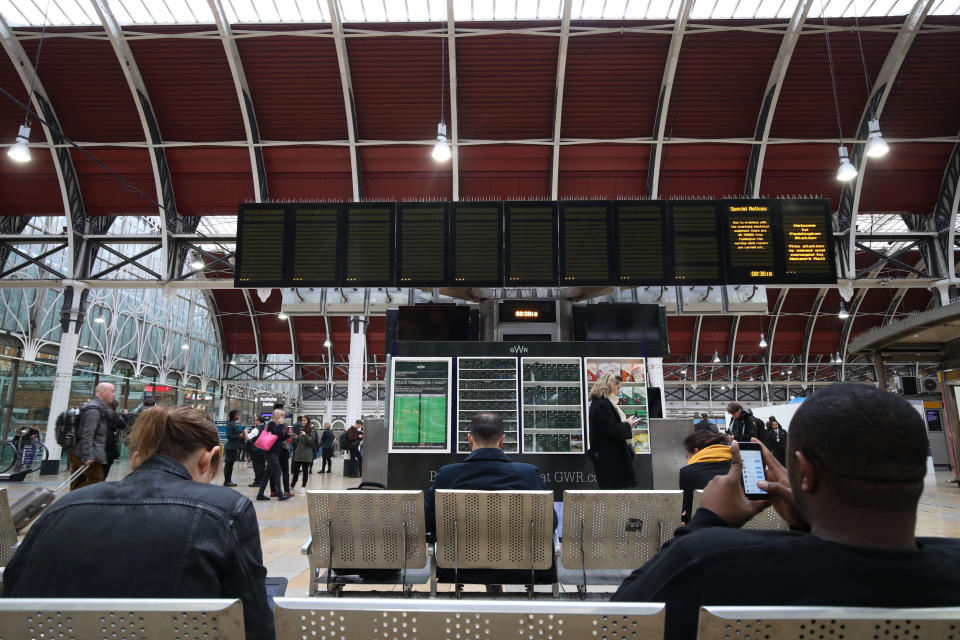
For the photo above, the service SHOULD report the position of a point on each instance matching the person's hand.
(725, 497)
(777, 485)
(89, 462)
(633, 420)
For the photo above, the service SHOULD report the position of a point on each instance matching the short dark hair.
(701, 439)
(733, 407)
(260, 419)
(234, 414)
(870, 445)
(486, 427)
(278, 405)
(704, 416)
(149, 401)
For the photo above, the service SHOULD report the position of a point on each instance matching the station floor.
(284, 526)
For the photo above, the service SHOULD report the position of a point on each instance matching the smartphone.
(752, 470)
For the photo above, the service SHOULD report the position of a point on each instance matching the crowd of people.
(855, 462)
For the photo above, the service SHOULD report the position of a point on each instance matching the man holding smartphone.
(856, 461)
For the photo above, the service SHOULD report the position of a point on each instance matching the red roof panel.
(603, 171)
(922, 74)
(801, 169)
(404, 173)
(503, 172)
(30, 189)
(308, 173)
(104, 195)
(905, 180)
(210, 181)
(703, 170)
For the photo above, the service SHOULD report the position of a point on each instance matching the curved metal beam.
(81, 253)
(945, 211)
(260, 190)
(255, 327)
(770, 97)
(336, 24)
(808, 332)
(663, 104)
(850, 196)
(696, 346)
(454, 116)
(558, 96)
(734, 331)
(777, 306)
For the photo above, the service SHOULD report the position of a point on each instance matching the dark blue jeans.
(271, 474)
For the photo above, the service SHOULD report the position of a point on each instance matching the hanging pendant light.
(846, 171)
(876, 146)
(19, 151)
(716, 357)
(327, 343)
(763, 341)
(441, 149)
(843, 314)
(838, 359)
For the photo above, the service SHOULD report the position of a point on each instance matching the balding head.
(106, 392)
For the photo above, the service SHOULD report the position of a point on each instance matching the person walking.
(327, 442)
(96, 421)
(284, 456)
(272, 472)
(257, 455)
(303, 444)
(235, 440)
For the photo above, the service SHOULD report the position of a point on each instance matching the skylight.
(150, 12)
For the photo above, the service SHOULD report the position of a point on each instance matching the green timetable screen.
(316, 246)
(260, 246)
(477, 244)
(419, 419)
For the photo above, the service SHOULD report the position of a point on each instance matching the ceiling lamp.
(327, 343)
(723, 387)
(197, 263)
(716, 357)
(185, 347)
(316, 388)
(282, 316)
(763, 341)
(846, 171)
(19, 151)
(877, 147)
(99, 319)
(838, 359)
(233, 362)
(843, 314)
(441, 149)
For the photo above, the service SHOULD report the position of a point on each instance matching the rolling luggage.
(27, 508)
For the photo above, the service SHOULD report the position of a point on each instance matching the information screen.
(583, 261)
(420, 416)
(696, 242)
(807, 242)
(642, 242)
(316, 247)
(370, 245)
(751, 243)
(422, 244)
(531, 244)
(261, 246)
(477, 239)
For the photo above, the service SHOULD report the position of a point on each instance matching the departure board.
(695, 242)
(370, 245)
(642, 242)
(751, 251)
(420, 410)
(260, 246)
(531, 249)
(316, 244)
(807, 242)
(582, 262)
(422, 244)
(477, 242)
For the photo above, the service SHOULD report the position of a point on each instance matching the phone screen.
(752, 471)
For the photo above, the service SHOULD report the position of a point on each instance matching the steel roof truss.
(336, 22)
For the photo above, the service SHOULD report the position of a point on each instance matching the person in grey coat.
(97, 418)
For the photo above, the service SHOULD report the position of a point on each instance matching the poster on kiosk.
(420, 405)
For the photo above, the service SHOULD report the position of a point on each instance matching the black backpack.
(67, 428)
(344, 441)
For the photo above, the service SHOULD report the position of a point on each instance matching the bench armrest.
(305, 549)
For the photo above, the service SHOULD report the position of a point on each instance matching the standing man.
(355, 438)
(256, 453)
(705, 425)
(97, 420)
(743, 424)
(487, 467)
(235, 441)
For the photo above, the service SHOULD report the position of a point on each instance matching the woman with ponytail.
(163, 531)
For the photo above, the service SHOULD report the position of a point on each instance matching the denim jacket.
(155, 534)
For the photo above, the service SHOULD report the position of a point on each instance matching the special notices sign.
(751, 243)
(420, 410)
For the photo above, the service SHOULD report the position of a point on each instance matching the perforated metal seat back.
(620, 529)
(494, 529)
(8, 532)
(123, 619)
(367, 528)
(833, 623)
(767, 520)
(382, 619)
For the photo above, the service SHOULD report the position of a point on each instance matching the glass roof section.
(20, 13)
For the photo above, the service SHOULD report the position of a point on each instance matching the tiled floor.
(284, 526)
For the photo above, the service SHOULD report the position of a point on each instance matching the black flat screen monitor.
(261, 245)
(431, 322)
(623, 323)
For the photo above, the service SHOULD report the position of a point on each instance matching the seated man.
(855, 467)
(487, 467)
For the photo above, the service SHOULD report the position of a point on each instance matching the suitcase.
(26, 509)
(350, 469)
